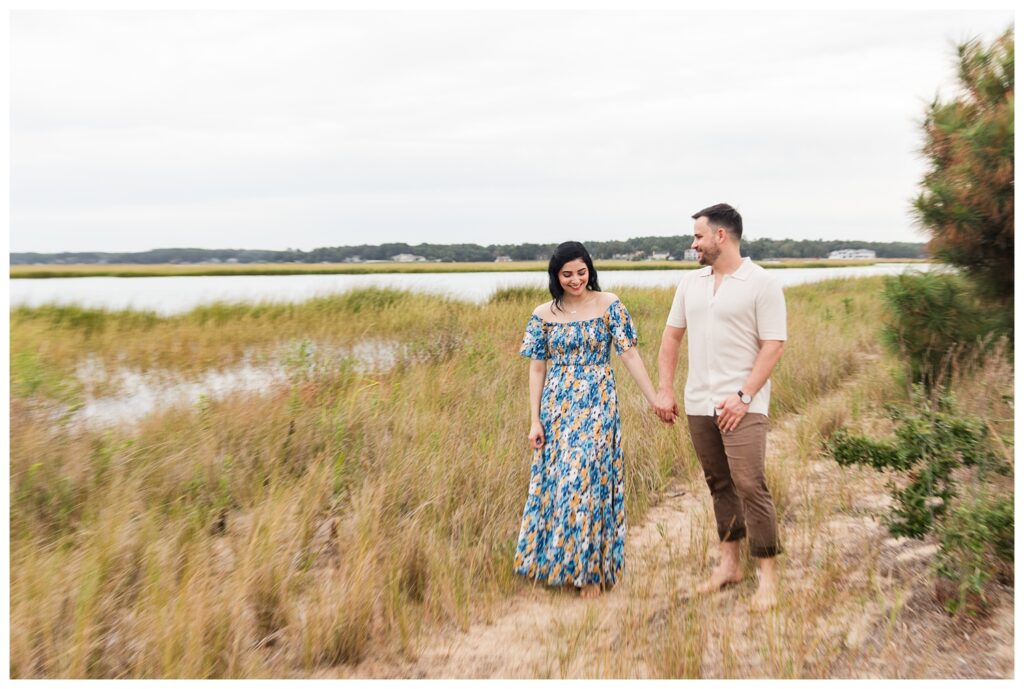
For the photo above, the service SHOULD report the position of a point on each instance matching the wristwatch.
(744, 397)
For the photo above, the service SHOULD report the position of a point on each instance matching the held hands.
(665, 406)
(731, 412)
(536, 435)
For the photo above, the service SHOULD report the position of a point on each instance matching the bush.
(931, 442)
(934, 321)
(976, 544)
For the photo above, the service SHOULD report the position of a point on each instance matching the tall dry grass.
(340, 515)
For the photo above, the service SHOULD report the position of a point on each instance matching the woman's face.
(573, 277)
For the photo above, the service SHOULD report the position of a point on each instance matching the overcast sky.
(132, 131)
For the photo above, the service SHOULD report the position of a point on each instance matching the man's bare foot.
(590, 591)
(719, 579)
(764, 599)
(727, 572)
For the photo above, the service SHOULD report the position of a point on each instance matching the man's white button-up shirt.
(724, 330)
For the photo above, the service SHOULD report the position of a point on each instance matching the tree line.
(638, 247)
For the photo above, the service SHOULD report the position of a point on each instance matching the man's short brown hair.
(725, 216)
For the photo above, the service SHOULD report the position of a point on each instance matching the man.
(736, 317)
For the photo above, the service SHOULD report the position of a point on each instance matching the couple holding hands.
(574, 522)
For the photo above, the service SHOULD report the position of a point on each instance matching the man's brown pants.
(733, 465)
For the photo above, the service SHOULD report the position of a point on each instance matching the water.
(170, 295)
(141, 393)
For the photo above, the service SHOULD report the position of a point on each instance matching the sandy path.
(855, 603)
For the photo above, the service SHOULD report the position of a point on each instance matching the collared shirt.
(723, 331)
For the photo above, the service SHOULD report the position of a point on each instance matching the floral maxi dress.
(574, 521)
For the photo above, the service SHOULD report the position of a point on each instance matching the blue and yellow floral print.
(574, 522)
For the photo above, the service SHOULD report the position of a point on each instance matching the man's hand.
(665, 406)
(664, 403)
(730, 413)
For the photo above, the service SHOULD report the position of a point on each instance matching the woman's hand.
(536, 435)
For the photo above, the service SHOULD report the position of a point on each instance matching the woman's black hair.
(565, 252)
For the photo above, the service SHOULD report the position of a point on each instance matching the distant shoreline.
(209, 270)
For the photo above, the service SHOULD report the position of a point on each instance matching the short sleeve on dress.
(621, 326)
(535, 344)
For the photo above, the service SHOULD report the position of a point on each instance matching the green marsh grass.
(339, 516)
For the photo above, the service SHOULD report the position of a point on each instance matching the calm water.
(141, 393)
(168, 295)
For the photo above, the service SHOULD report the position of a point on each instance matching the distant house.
(847, 254)
(659, 256)
(634, 256)
(503, 259)
(690, 255)
(407, 258)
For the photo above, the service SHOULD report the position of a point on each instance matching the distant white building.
(407, 258)
(690, 255)
(635, 256)
(659, 256)
(503, 259)
(847, 254)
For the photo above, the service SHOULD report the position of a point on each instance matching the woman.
(574, 522)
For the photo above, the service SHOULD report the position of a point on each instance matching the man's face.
(705, 242)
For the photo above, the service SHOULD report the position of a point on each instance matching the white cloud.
(266, 130)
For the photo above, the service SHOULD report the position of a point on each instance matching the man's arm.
(668, 356)
(732, 410)
(767, 357)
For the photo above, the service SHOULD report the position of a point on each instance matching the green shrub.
(933, 440)
(976, 545)
(934, 321)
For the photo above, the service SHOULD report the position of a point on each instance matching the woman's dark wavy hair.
(565, 252)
